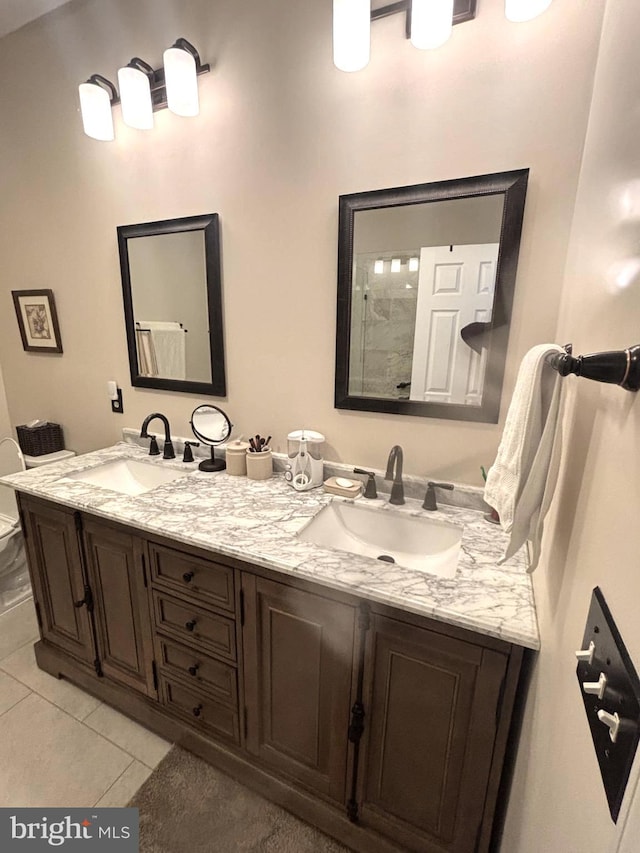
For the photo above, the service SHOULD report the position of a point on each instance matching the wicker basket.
(38, 440)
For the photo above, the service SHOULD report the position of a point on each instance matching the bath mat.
(187, 806)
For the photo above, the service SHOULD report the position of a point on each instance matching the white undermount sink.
(127, 476)
(414, 542)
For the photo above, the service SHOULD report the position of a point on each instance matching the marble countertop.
(257, 521)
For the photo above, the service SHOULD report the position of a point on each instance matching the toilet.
(14, 574)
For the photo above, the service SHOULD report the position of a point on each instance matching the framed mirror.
(172, 291)
(426, 277)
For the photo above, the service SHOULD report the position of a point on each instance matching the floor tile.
(17, 627)
(22, 666)
(50, 759)
(125, 787)
(11, 692)
(136, 740)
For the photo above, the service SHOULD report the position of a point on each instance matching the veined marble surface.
(257, 521)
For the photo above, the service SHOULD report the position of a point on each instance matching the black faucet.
(430, 497)
(169, 452)
(395, 461)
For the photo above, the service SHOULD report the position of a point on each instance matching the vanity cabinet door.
(59, 586)
(431, 705)
(298, 655)
(121, 609)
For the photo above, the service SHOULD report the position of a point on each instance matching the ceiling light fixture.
(524, 10)
(143, 91)
(428, 25)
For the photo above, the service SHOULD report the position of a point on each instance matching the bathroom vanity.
(375, 702)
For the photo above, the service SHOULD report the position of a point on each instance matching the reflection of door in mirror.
(170, 305)
(455, 288)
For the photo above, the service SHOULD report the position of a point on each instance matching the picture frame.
(37, 320)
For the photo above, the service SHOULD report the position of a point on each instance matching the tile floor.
(58, 745)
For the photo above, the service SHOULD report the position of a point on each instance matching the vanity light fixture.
(395, 264)
(143, 91)
(378, 267)
(428, 25)
(524, 10)
(135, 94)
(414, 264)
(97, 96)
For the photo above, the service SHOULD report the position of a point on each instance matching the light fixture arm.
(99, 80)
(183, 44)
(463, 10)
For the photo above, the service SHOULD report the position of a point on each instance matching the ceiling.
(16, 13)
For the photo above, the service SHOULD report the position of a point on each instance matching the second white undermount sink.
(128, 476)
(413, 542)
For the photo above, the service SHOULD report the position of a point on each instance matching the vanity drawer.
(200, 710)
(205, 673)
(194, 625)
(208, 581)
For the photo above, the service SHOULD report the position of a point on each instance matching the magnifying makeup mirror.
(211, 426)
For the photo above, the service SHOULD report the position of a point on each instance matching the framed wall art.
(37, 320)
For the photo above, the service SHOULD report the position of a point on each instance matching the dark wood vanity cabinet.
(385, 729)
(89, 588)
(58, 578)
(298, 666)
(432, 703)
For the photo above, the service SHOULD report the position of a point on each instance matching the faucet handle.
(154, 450)
(430, 497)
(187, 456)
(370, 490)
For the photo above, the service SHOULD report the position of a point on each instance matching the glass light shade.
(524, 10)
(351, 34)
(182, 82)
(431, 23)
(378, 267)
(135, 98)
(414, 264)
(395, 265)
(95, 106)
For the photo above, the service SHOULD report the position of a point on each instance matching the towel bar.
(618, 367)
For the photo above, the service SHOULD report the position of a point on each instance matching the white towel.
(521, 481)
(168, 340)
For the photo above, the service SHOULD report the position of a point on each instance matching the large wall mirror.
(171, 285)
(426, 277)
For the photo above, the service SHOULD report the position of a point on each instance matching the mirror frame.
(209, 225)
(513, 186)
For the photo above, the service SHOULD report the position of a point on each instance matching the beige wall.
(5, 422)
(558, 802)
(281, 135)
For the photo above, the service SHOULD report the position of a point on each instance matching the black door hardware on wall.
(617, 367)
(611, 694)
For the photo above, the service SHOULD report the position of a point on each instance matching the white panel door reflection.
(455, 287)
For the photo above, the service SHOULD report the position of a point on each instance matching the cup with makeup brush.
(259, 459)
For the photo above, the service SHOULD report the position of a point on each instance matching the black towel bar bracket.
(618, 367)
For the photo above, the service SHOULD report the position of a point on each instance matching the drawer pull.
(197, 710)
(190, 625)
(187, 577)
(193, 670)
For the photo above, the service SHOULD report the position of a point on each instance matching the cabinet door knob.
(190, 625)
(193, 670)
(187, 577)
(197, 710)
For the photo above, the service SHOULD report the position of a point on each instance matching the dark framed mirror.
(426, 278)
(172, 291)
